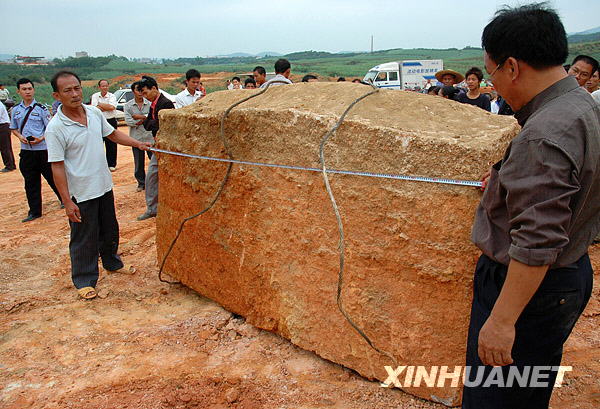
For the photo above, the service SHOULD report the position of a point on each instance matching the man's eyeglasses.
(581, 74)
(497, 68)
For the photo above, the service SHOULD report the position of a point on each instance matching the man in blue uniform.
(28, 123)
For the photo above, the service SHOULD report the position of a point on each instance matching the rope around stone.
(341, 241)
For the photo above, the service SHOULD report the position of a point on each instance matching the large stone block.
(268, 249)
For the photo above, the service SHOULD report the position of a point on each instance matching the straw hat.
(457, 75)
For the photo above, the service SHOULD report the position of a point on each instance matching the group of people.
(467, 89)
(537, 217)
(258, 79)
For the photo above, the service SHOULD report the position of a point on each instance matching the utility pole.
(371, 44)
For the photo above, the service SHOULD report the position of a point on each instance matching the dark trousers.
(6, 147)
(34, 165)
(111, 147)
(139, 160)
(96, 234)
(541, 331)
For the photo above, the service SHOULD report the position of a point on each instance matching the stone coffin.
(268, 249)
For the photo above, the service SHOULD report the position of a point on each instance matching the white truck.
(404, 75)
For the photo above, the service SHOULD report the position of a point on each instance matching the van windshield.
(370, 77)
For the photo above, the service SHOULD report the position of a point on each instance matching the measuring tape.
(445, 181)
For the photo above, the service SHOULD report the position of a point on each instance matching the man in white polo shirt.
(107, 103)
(190, 94)
(75, 149)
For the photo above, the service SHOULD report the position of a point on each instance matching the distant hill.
(268, 54)
(6, 57)
(590, 31)
(584, 38)
(235, 55)
(246, 55)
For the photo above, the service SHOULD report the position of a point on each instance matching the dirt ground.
(145, 344)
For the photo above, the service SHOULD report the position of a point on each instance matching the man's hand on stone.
(496, 340)
(72, 211)
(485, 178)
(144, 146)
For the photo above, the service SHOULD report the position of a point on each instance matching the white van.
(405, 75)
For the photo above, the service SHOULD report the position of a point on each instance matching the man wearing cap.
(28, 124)
(449, 77)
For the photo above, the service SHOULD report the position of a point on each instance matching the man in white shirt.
(107, 103)
(75, 149)
(596, 96)
(4, 93)
(190, 94)
(5, 145)
(283, 70)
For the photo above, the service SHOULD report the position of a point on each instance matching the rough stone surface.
(268, 249)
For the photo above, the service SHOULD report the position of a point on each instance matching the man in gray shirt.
(537, 217)
(136, 112)
(283, 70)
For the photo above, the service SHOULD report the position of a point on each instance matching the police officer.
(28, 123)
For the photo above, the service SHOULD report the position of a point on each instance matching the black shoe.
(5, 170)
(146, 216)
(30, 218)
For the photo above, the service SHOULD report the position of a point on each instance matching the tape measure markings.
(427, 179)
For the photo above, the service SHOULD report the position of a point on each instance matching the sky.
(183, 28)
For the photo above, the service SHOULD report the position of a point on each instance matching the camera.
(30, 138)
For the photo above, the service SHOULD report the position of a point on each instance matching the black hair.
(260, 70)
(341, 79)
(309, 77)
(588, 60)
(147, 82)
(532, 33)
(249, 80)
(60, 74)
(192, 73)
(282, 65)
(23, 81)
(135, 85)
(236, 78)
(450, 92)
(567, 67)
(103, 80)
(474, 71)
